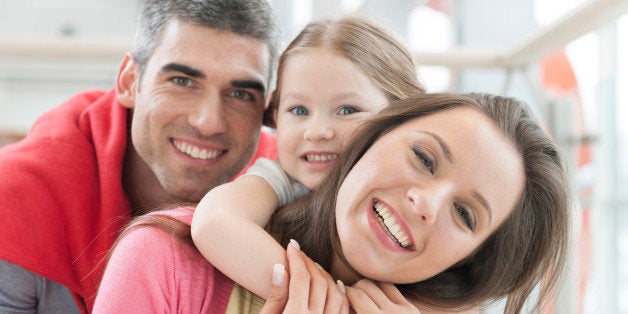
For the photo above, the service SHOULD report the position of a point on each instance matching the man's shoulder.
(267, 147)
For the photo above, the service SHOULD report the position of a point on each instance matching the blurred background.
(566, 58)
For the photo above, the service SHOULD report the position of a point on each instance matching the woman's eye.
(424, 159)
(299, 111)
(466, 216)
(240, 94)
(346, 110)
(183, 81)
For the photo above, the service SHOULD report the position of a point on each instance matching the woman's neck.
(341, 270)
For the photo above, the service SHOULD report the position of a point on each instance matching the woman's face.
(426, 195)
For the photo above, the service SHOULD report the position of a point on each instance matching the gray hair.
(251, 18)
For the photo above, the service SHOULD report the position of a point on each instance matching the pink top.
(151, 271)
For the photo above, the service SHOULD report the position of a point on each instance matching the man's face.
(198, 108)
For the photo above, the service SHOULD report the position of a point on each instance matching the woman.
(478, 194)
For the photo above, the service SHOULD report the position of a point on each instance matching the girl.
(329, 80)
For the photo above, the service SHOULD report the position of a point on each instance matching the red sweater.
(62, 203)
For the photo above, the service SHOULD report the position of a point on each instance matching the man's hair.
(251, 18)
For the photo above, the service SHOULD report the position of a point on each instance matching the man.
(184, 116)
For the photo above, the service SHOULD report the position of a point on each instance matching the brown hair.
(528, 249)
(377, 52)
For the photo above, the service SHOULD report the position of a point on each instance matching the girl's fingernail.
(295, 244)
(279, 272)
(341, 286)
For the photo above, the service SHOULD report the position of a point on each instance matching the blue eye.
(299, 111)
(466, 216)
(424, 159)
(347, 110)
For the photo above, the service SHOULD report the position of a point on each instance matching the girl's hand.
(368, 297)
(310, 288)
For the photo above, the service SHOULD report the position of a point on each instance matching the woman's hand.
(310, 289)
(368, 297)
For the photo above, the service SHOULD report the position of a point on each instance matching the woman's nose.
(428, 202)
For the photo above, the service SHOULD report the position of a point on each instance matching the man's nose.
(209, 116)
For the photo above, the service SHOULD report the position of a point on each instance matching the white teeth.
(195, 152)
(389, 221)
(326, 157)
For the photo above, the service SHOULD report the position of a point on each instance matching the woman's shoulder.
(181, 213)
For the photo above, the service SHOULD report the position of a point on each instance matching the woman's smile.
(396, 234)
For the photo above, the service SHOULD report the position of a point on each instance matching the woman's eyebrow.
(443, 146)
(478, 197)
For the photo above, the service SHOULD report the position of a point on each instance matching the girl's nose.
(318, 131)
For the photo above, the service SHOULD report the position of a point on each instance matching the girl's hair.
(377, 52)
(528, 249)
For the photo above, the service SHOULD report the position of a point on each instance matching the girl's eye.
(466, 216)
(183, 81)
(424, 159)
(299, 111)
(346, 110)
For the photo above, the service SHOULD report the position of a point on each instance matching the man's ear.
(269, 98)
(270, 110)
(127, 80)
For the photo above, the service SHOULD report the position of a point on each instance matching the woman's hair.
(377, 52)
(528, 249)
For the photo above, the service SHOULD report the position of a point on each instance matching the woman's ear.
(126, 81)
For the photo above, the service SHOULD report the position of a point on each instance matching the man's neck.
(144, 191)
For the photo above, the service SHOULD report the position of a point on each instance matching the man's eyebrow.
(484, 204)
(176, 67)
(443, 146)
(253, 84)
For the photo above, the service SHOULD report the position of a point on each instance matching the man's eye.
(183, 81)
(240, 94)
(346, 110)
(299, 111)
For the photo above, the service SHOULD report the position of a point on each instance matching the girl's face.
(425, 196)
(323, 98)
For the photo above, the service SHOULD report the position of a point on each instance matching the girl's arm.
(227, 227)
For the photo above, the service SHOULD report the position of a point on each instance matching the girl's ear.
(126, 81)
(270, 110)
